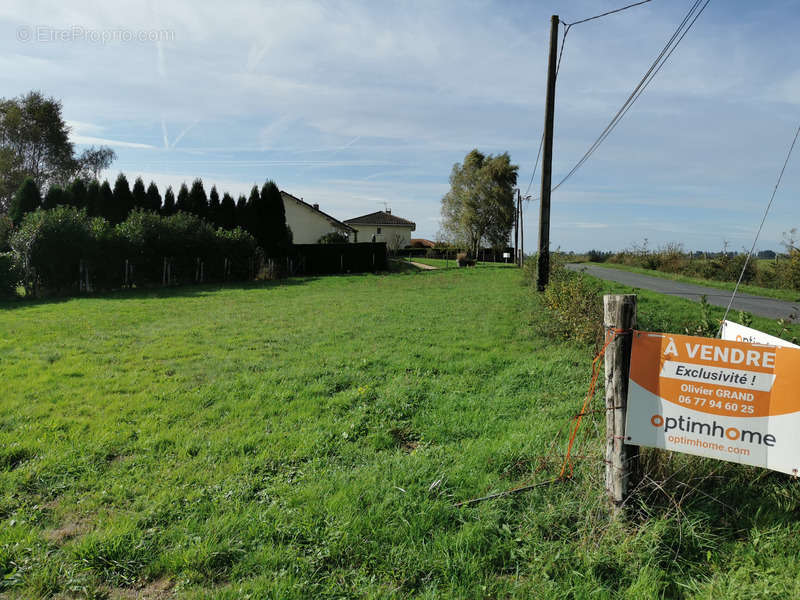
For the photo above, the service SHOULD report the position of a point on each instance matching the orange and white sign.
(728, 400)
(740, 333)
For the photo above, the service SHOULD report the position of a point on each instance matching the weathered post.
(622, 461)
(543, 268)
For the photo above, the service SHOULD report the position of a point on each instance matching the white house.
(382, 227)
(308, 223)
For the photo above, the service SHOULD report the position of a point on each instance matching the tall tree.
(77, 191)
(153, 202)
(93, 161)
(198, 201)
(276, 233)
(169, 202)
(106, 208)
(213, 206)
(227, 212)
(241, 212)
(139, 194)
(56, 196)
(27, 199)
(183, 198)
(479, 208)
(93, 199)
(34, 142)
(123, 199)
(251, 213)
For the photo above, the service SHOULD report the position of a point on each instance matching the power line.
(681, 31)
(764, 218)
(535, 165)
(558, 66)
(541, 140)
(611, 12)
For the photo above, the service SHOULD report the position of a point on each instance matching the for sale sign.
(728, 400)
(740, 333)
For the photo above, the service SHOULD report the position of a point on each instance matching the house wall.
(388, 234)
(307, 225)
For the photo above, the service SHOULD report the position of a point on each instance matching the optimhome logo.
(688, 425)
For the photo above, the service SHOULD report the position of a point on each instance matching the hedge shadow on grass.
(183, 291)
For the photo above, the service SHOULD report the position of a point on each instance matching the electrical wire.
(611, 12)
(680, 32)
(758, 233)
(631, 99)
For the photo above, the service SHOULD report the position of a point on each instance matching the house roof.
(332, 220)
(381, 218)
(422, 242)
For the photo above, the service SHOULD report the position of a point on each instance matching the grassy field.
(779, 294)
(441, 263)
(308, 440)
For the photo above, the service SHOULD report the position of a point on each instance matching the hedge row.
(328, 259)
(63, 250)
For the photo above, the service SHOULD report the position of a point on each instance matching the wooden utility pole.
(543, 273)
(516, 230)
(622, 460)
(521, 237)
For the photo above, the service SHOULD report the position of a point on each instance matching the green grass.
(779, 294)
(308, 439)
(441, 263)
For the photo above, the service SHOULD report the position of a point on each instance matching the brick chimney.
(316, 206)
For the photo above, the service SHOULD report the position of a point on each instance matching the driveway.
(758, 305)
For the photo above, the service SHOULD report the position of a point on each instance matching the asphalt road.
(758, 305)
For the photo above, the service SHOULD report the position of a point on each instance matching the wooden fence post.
(622, 461)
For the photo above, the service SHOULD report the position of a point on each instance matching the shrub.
(333, 237)
(727, 267)
(106, 255)
(598, 256)
(49, 246)
(787, 271)
(465, 260)
(25, 200)
(238, 247)
(183, 238)
(576, 303)
(6, 229)
(10, 275)
(144, 239)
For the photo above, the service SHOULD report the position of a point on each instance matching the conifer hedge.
(59, 250)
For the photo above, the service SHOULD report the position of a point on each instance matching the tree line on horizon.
(261, 214)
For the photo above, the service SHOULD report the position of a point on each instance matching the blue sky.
(351, 104)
